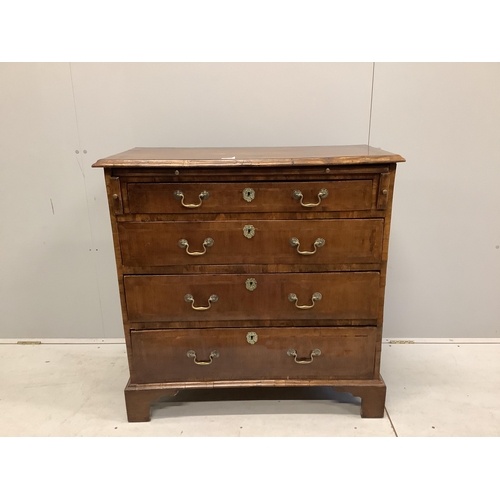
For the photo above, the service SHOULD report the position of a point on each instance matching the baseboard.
(486, 340)
(35, 341)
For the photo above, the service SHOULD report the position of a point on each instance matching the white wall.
(57, 267)
(444, 255)
(48, 283)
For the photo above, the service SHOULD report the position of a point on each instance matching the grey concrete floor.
(77, 390)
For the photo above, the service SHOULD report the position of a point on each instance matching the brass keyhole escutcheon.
(252, 337)
(248, 194)
(251, 284)
(249, 231)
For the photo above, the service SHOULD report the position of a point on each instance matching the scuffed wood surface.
(262, 157)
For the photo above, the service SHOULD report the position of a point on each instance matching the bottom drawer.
(252, 354)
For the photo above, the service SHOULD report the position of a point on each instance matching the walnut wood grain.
(388, 183)
(157, 243)
(255, 156)
(272, 323)
(140, 396)
(161, 355)
(353, 214)
(239, 173)
(138, 401)
(111, 188)
(154, 274)
(265, 197)
(162, 298)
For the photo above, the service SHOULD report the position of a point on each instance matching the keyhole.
(248, 231)
(251, 284)
(252, 337)
(249, 193)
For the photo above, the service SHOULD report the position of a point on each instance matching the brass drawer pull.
(207, 243)
(315, 297)
(293, 352)
(294, 242)
(192, 354)
(179, 195)
(297, 195)
(189, 298)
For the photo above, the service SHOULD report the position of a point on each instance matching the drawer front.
(250, 197)
(251, 242)
(225, 354)
(344, 295)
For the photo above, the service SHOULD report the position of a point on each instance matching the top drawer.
(322, 196)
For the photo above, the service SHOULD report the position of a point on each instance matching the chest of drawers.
(243, 267)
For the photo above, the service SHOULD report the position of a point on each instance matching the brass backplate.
(249, 231)
(252, 337)
(251, 284)
(248, 194)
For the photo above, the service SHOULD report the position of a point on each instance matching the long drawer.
(222, 197)
(251, 242)
(243, 353)
(226, 297)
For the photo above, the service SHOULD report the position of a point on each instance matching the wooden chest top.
(255, 156)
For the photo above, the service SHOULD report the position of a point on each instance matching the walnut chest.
(243, 267)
